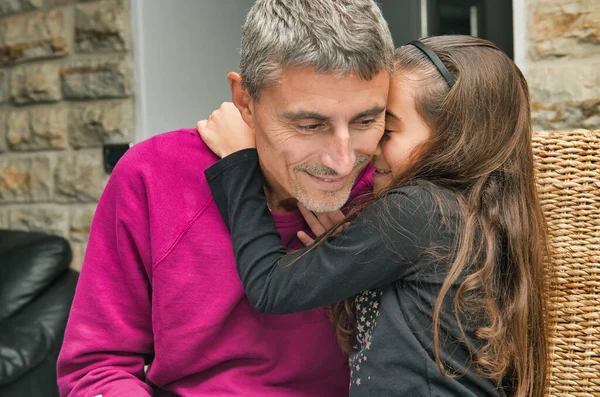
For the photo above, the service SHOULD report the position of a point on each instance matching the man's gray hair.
(331, 36)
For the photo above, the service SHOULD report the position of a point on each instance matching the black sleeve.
(376, 249)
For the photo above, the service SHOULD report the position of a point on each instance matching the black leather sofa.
(36, 291)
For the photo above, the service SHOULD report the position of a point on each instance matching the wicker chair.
(569, 180)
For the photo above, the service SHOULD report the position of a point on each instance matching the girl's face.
(404, 130)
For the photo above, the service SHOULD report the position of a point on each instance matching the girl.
(438, 285)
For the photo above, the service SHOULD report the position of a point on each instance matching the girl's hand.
(225, 131)
(319, 223)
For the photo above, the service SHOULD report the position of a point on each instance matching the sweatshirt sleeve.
(380, 245)
(108, 337)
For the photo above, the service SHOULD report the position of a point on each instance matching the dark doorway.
(488, 19)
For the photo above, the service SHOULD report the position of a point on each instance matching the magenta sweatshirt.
(159, 287)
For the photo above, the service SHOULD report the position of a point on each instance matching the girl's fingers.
(201, 125)
(330, 219)
(313, 222)
(320, 222)
(305, 238)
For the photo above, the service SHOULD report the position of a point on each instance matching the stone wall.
(65, 90)
(563, 63)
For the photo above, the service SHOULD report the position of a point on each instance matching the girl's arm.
(377, 248)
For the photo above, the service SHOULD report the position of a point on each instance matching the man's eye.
(366, 123)
(310, 127)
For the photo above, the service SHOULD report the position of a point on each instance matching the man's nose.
(339, 154)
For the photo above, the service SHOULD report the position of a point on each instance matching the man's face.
(316, 132)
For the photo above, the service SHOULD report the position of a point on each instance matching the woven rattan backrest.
(568, 165)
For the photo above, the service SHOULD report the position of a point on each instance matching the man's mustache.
(322, 170)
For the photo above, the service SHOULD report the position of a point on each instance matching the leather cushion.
(36, 332)
(29, 263)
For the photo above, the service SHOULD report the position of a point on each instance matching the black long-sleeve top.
(393, 259)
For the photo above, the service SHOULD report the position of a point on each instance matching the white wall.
(520, 33)
(183, 50)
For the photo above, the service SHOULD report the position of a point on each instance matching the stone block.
(565, 28)
(78, 255)
(94, 124)
(37, 128)
(25, 179)
(35, 84)
(66, 2)
(563, 96)
(97, 79)
(28, 37)
(3, 86)
(2, 131)
(60, 2)
(103, 26)
(80, 177)
(13, 6)
(552, 82)
(52, 220)
(4, 218)
(568, 115)
(81, 221)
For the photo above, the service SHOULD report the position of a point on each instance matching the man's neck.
(278, 202)
(278, 199)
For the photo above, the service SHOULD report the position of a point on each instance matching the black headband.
(436, 61)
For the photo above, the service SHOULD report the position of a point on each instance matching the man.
(159, 285)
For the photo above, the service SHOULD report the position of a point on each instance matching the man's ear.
(241, 98)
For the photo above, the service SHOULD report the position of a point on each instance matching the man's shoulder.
(179, 154)
(165, 175)
(167, 169)
(178, 147)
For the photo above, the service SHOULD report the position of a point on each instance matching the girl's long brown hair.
(481, 149)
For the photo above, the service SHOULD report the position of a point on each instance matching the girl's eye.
(386, 132)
